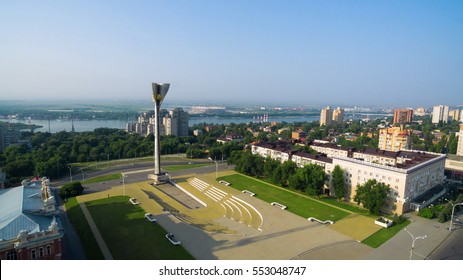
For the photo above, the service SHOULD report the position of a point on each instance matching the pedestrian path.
(399, 246)
(99, 239)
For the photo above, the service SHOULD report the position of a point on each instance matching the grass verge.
(77, 218)
(129, 235)
(184, 166)
(300, 205)
(384, 234)
(102, 178)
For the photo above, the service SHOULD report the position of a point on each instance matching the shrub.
(71, 189)
(426, 213)
(441, 217)
(398, 219)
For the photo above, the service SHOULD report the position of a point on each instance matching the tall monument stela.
(159, 93)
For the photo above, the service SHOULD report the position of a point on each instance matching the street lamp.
(453, 211)
(413, 241)
(123, 183)
(70, 173)
(83, 175)
(216, 168)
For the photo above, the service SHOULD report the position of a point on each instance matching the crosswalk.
(233, 207)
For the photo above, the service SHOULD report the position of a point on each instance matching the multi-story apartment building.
(176, 123)
(440, 113)
(273, 151)
(338, 115)
(326, 116)
(420, 111)
(455, 115)
(460, 142)
(409, 181)
(331, 150)
(403, 115)
(395, 138)
(409, 174)
(329, 116)
(8, 137)
(29, 224)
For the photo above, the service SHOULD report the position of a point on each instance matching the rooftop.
(21, 208)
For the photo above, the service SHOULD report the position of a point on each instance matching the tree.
(288, 168)
(71, 189)
(270, 165)
(316, 180)
(339, 184)
(373, 195)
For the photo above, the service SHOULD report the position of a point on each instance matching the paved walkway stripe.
(99, 239)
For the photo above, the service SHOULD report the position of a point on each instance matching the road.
(452, 247)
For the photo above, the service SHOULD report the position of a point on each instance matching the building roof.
(378, 152)
(314, 157)
(21, 209)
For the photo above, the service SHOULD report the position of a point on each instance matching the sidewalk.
(99, 239)
(398, 247)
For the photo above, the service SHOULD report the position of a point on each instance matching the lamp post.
(216, 168)
(413, 241)
(83, 175)
(123, 183)
(70, 173)
(453, 211)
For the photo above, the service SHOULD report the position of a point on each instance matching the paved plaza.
(219, 222)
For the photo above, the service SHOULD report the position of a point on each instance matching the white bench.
(134, 201)
(312, 219)
(248, 192)
(283, 207)
(150, 217)
(224, 182)
(170, 237)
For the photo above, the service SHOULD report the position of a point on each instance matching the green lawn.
(129, 235)
(297, 204)
(184, 166)
(102, 178)
(345, 205)
(77, 218)
(384, 234)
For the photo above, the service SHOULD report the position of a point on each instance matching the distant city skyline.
(345, 53)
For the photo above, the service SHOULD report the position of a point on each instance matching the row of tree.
(310, 178)
(50, 154)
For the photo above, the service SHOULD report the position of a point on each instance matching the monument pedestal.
(159, 178)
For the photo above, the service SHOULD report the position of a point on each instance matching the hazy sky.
(397, 53)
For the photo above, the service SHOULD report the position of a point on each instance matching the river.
(89, 125)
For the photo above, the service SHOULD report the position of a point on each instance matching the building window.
(40, 252)
(33, 254)
(48, 250)
(12, 255)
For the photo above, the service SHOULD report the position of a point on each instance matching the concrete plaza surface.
(209, 234)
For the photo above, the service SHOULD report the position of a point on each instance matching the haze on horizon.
(358, 53)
